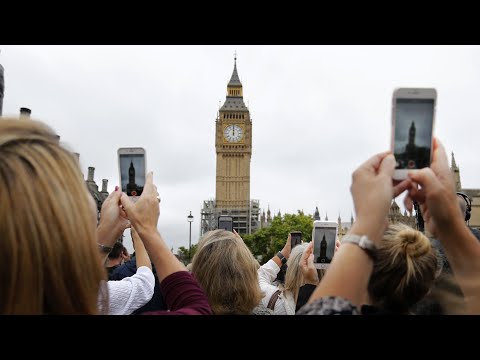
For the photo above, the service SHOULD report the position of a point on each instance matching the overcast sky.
(317, 112)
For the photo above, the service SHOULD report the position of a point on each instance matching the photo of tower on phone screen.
(413, 133)
(132, 173)
(324, 244)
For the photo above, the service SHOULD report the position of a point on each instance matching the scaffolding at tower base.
(245, 220)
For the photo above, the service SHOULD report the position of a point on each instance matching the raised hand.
(309, 271)
(288, 247)
(113, 220)
(437, 198)
(145, 212)
(372, 191)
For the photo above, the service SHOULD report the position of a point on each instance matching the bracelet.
(364, 243)
(282, 258)
(104, 249)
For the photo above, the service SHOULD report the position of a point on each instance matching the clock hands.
(230, 133)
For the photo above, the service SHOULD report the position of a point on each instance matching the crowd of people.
(59, 258)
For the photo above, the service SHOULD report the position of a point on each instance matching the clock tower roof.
(234, 101)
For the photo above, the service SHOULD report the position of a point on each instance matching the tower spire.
(454, 164)
(234, 99)
(456, 174)
(235, 80)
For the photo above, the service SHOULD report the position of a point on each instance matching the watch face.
(233, 133)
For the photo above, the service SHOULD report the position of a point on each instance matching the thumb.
(114, 196)
(308, 250)
(423, 177)
(126, 202)
(310, 261)
(387, 166)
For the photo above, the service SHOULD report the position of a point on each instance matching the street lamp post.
(190, 220)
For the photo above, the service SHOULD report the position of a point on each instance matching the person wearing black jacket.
(129, 269)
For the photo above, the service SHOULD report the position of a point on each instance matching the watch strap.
(363, 242)
(105, 249)
(282, 258)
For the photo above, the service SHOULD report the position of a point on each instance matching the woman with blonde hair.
(372, 192)
(50, 243)
(282, 299)
(50, 259)
(404, 272)
(227, 271)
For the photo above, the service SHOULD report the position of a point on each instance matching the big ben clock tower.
(233, 145)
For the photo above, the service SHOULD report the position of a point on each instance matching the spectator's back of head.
(50, 261)
(405, 270)
(445, 298)
(227, 271)
(117, 250)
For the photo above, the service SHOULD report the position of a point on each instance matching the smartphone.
(413, 118)
(296, 238)
(132, 169)
(225, 222)
(323, 236)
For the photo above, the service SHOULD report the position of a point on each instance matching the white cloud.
(318, 112)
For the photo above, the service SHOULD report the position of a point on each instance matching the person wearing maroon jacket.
(181, 291)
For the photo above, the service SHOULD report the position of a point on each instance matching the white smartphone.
(323, 236)
(413, 119)
(132, 169)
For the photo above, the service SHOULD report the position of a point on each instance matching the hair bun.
(415, 243)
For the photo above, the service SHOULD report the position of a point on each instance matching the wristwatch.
(282, 258)
(105, 249)
(363, 242)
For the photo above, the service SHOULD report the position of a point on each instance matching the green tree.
(183, 253)
(266, 242)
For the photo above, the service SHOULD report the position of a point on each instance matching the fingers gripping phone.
(132, 169)
(323, 237)
(225, 222)
(413, 117)
(296, 238)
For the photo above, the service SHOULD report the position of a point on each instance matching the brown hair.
(50, 261)
(444, 298)
(227, 271)
(118, 249)
(405, 270)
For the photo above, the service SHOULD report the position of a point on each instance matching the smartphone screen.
(225, 223)
(323, 245)
(413, 133)
(132, 170)
(296, 238)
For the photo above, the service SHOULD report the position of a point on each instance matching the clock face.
(233, 133)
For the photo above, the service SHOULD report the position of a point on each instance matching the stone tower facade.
(233, 148)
